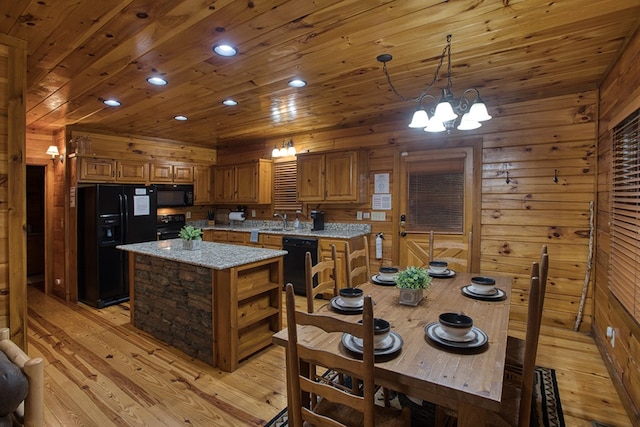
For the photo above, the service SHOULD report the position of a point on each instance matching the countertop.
(332, 230)
(218, 256)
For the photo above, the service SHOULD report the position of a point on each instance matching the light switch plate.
(378, 216)
(359, 216)
(366, 215)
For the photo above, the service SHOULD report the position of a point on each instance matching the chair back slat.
(326, 272)
(299, 351)
(357, 263)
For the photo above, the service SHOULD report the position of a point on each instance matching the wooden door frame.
(473, 150)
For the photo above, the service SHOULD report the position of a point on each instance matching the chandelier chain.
(446, 51)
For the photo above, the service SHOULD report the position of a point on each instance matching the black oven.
(169, 226)
(174, 195)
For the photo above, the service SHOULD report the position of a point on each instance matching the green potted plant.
(191, 237)
(412, 282)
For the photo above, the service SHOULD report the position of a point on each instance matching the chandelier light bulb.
(444, 112)
(420, 119)
(275, 152)
(435, 126)
(478, 112)
(467, 123)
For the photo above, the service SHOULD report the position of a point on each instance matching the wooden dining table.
(468, 381)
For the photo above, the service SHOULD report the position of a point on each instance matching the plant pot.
(411, 296)
(191, 245)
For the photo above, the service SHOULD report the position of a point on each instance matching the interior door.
(439, 191)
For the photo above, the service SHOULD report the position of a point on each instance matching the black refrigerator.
(108, 216)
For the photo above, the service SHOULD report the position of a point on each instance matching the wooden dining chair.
(455, 253)
(516, 346)
(357, 262)
(332, 401)
(515, 409)
(326, 272)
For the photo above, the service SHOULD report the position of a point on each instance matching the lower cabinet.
(324, 247)
(269, 241)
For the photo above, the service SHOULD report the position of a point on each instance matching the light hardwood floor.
(101, 371)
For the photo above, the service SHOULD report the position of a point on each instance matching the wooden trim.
(624, 113)
(17, 205)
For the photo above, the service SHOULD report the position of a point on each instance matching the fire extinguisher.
(379, 239)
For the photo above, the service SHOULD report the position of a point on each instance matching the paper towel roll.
(236, 216)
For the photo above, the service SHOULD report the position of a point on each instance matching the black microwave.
(174, 195)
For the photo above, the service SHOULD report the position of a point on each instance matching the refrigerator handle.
(124, 216)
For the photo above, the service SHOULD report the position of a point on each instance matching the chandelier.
(464, 113)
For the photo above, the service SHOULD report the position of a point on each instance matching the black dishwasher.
(294, 264)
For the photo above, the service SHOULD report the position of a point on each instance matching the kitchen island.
(219, 304)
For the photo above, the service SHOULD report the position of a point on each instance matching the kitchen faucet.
(283, 217)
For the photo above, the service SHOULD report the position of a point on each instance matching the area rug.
(546, 407)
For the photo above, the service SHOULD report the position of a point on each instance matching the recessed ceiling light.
(157, 81)
(230, 102)
(112, 102)
(181, 118)
(225, 50)
(297, 83)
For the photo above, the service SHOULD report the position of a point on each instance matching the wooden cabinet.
(132, 171)
(108, 170)
(202, 185)
(96, 170)
(169, 172)
(271, 241)
(243, 183)
(340, 177)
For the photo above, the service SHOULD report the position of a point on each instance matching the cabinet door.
(161, 172)
(223, 184)
(311, 177)
(341, 266)
(97, 170)
(246, 177)
(341, 176)
(132, 172)
(202, 185)
(183, 174)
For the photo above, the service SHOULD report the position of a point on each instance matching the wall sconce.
(53, 152)
(287, 149)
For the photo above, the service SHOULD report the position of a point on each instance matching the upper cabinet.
(202, 185)
(243, 183)
(169, 172)
(340, 177)
(108, 170)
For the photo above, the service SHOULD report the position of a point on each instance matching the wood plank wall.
(619, 97)
(531, 140)
(13, 272)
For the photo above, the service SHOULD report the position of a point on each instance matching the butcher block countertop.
(218, 256)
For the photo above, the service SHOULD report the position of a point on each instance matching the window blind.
(285, 190)
(624, 265)
(436, 195)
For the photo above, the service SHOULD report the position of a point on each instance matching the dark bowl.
(441, 264)
(380, 326)
(388, 270)
(351, 292)
(479, 280)
(456, 320)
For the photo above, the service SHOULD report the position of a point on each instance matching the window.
(285, 191)
(624, 265)
(435, 199)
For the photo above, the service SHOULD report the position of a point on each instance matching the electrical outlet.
(378, 216)
(366, 215)
(253, 213)
(188, 215)
(359, 216)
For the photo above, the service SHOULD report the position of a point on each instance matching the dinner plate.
(469, 336)
(349, 342)
(478, 341)
(378, 281)
(446, 273)
(386, 343)
(499, 295)
(344, 309)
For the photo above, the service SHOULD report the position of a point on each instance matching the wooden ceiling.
(83, 51)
